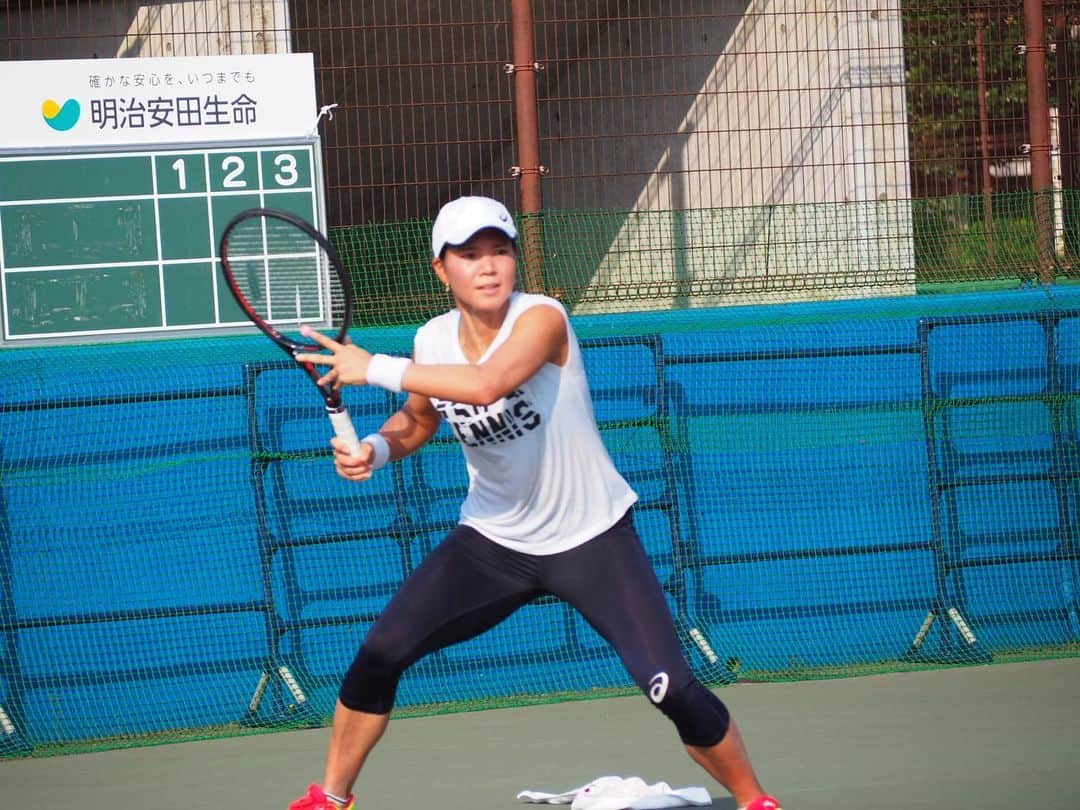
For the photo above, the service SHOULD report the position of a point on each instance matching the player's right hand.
(354, 468)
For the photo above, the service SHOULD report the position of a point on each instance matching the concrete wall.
(799, 135)
(126, 28)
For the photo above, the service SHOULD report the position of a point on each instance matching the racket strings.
(283, 273)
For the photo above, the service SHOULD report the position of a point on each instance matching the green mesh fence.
(993, 238)
(612, 261)
(827, 488)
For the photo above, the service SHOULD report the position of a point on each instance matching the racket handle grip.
(343, 428)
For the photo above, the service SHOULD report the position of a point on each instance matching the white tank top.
(540, 479)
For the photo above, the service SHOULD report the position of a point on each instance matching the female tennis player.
(546, 510)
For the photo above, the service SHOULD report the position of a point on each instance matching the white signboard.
(91, 103)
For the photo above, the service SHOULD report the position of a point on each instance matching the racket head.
(283, 272)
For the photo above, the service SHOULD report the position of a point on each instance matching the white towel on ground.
(617, 793)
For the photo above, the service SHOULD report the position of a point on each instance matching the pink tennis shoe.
(764, 803)
(315, 799)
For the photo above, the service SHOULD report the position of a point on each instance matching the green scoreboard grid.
(120, 243)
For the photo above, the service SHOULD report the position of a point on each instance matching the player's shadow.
(726, 803)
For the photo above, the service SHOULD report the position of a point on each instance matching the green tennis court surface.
(1000, 737)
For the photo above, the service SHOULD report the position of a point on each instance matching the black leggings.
(468, 584)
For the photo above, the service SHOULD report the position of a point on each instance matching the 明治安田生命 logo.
(60, 117)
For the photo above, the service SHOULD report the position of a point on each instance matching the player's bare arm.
(539, 336)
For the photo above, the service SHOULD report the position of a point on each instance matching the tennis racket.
(283, 273)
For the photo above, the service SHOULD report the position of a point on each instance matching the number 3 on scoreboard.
(287, 175)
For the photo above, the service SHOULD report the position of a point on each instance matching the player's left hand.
(348, 362)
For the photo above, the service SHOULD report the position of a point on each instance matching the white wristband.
(381, 447)
(386, 371)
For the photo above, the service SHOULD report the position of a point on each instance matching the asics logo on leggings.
(658, 685)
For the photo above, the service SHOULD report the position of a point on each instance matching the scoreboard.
(122, 242)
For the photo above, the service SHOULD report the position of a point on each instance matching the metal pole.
(1039, 125)
(1067, 113)
(984, 135)
(528, 168)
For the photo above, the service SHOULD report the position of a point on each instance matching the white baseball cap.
(459, 219)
